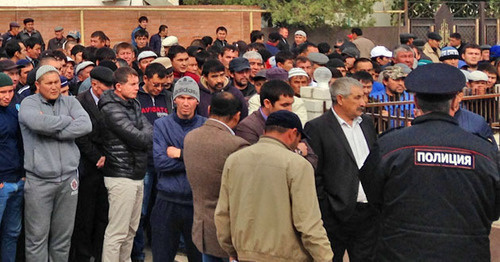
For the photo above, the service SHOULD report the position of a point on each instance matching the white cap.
(300, 32)
(69, 59)
(170, 41)
(146, 54)
(478, 76)
(297, 71)
(82, 66)
(44, 70)
(466, 74)
(165, 61)
(380, 51)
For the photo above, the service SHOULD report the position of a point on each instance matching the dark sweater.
(11, 153)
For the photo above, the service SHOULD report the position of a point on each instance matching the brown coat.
(205, 152)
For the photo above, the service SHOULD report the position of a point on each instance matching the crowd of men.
(208, 149)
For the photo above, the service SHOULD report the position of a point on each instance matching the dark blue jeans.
(168, 222)
(139, 240)
(11, 201)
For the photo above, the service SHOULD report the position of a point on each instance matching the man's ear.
(208, 110)
(237, 117)
(267, 103)
(340, 99)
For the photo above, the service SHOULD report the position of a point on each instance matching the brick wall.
(185, 22)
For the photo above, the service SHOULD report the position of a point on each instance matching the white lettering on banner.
(446, 158)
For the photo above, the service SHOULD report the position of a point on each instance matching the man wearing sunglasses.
(156, 101)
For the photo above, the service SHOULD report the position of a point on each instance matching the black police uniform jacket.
(127, 137)
(438, 189)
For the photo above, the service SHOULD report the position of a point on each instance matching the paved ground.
(178, 258)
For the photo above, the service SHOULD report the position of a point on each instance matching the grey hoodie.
(49, 133)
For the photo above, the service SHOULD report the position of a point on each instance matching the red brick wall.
(185, 22)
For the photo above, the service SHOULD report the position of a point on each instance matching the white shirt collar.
(357, 120)
(96, 99)
(224, 124)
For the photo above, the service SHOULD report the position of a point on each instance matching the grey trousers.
(49, 216)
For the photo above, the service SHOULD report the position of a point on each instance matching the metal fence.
(388, 115)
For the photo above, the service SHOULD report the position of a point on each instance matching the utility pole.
(482, 23)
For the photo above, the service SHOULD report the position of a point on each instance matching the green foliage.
(311, 13)
(459, 8)
(495, 8)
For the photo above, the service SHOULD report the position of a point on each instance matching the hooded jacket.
(127, 137)
(206, 96)
(49, 132)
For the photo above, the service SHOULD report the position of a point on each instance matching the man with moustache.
(342, 138)
(214, 80)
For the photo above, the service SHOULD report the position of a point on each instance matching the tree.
(312, 13)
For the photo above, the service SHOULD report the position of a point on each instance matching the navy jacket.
(11, 153)
(438, 187)
(172, 180)
(155, 43)
(153, 108)
(474, 123)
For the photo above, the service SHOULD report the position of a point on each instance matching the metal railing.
(388, 115)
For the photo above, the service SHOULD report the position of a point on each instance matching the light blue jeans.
(11, 202)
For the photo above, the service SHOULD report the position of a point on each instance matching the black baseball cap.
(239, 64)
(286, 119)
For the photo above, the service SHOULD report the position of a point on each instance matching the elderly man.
(50, 123)
(256, 63)
(59, 39)
(92, 208)
(342, 138)
(205, 152)
(403, 54)
(278, 193)
(431, 48)
(424, 184)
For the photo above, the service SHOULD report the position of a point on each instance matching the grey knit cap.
(44, 70)
(187, 86)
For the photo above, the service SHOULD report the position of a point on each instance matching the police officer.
(437, 185)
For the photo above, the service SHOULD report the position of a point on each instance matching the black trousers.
(91, 216)
(358, 235)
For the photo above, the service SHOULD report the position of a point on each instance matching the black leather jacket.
(127, 137)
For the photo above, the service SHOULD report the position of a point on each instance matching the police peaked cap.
(438, 79)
